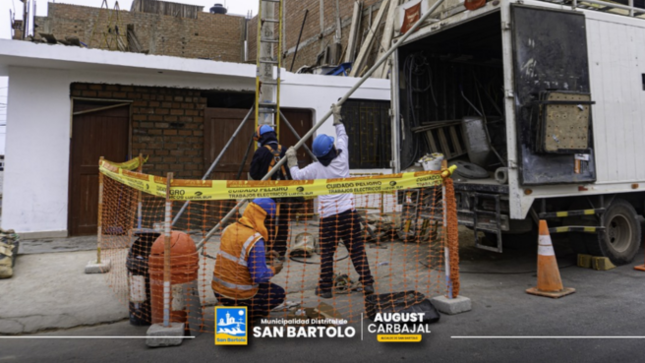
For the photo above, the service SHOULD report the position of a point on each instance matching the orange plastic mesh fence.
(389, 242)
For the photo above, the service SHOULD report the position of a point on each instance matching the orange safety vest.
(231, 276)
(276, 158)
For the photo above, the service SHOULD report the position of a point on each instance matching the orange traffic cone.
(549, 282)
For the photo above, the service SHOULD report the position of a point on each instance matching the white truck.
(542, 105)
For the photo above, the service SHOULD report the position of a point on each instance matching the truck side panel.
(616, 65)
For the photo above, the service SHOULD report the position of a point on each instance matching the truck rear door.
(552, 96)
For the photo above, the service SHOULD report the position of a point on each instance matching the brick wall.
(294, 15)
(214, 36)
(167, 124)
(17, 29)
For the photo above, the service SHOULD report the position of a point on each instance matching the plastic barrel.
(138, 277)
(184, 262)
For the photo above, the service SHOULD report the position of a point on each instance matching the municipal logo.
(231, 326)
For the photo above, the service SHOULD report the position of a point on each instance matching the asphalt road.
(609, 303)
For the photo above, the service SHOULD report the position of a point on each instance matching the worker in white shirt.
(339, 220)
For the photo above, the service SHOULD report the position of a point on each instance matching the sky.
(240, 7)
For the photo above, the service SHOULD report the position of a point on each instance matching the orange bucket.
(184, 266)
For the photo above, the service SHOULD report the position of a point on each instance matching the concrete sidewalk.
(51, 291)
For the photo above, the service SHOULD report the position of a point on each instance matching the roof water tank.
(218, 9)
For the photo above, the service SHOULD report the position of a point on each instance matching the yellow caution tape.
(250, 189)
(132, 164)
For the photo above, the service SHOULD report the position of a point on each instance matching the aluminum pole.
(214, 164)
(293, 131)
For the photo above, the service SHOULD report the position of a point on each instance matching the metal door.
(550, 60)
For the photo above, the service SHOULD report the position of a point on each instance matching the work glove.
(292, 159)
(338, 119)
(277, 267)
(275, 262)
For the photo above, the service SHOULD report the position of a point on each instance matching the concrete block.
(601, 263)
(160, 336)
(98, 268)
(584, 261)
(460, 304)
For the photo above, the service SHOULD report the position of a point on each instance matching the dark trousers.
(268, 297)
(346, 227)
(278, 241)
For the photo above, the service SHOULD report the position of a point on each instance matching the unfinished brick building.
(319, 28)
(188, 34)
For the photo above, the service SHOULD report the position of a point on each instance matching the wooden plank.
(357, 68)
(353, 32)
(455, 140)
(445, 147)
(433, 144)
(388, 34)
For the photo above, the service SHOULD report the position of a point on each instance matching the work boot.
(323, 294)
(368, 289)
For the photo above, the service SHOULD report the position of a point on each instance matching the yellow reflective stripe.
(562, 214)
(590, 229)
(562, 229)
(589, 212)
(231, 258)
(233, 286)
(246, 245)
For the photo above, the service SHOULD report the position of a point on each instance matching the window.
(370, 135)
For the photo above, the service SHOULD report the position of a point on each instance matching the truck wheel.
(621, 237)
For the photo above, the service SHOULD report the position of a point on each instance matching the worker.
(339, 219)
(242, 274)
(269, 152)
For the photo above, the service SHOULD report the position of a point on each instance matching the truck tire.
(622, 235)
(619, 241)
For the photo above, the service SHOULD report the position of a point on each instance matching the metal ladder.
(267, 88)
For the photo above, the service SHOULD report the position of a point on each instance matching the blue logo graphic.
(230, 325)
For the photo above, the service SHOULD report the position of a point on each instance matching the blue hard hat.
(264, 129)
(267, 204)
(323, 145)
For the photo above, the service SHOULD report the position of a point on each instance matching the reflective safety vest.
(231, 277)
(276, 158)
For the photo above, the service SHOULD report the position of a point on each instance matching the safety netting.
(390, 240)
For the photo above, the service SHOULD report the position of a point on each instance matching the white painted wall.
(37, 157)
(4, 89)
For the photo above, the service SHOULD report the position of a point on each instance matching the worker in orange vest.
(242, 274)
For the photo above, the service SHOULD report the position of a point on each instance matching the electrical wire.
(418, 77)
(461, 89)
